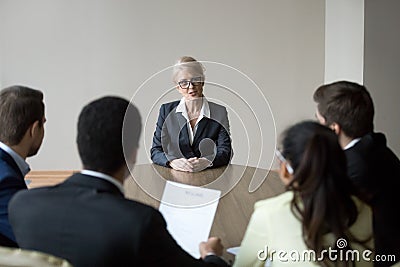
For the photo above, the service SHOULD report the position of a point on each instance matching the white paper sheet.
(189, 212)
(233, 250)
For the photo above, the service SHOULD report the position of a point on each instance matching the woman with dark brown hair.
(317, 221)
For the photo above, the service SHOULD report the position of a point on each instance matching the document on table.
(189, 212)
(233, 250)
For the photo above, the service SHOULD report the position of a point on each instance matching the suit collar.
(23, 167)
(104, 177)
(10, 161)
(352, 143)
(200, 128)
(93, 182)
(369, 143)
(204, 112)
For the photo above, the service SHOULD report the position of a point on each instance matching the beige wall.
(344, 40)
(76, 51)
(382, 65)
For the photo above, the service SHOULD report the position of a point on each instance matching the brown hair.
(347, 104)
(20, 107)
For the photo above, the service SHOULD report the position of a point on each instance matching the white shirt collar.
(352, 143)
(204, 112)
(104, 177)
(21, 163)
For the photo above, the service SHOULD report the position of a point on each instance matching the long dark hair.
(322, 190)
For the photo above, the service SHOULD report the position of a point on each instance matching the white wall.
(76, 51)
(344, 40)
(361, 45)
(382, 65)
(1, 42)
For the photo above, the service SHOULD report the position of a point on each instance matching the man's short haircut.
(108, 129)
(347, 104)
(20, 107)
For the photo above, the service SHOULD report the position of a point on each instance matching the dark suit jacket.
(87, 221)
(11, 181)
(171, 139)
(375, 172)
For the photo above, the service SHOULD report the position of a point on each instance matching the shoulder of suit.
(170, 105)
(174, 104)
(7, 171)
(133, 204)
(365, 150)
(136, 207)
(215, 105)
(5, 159)
(31, 193)
(217, 111)
(369, 142)
(5, 167)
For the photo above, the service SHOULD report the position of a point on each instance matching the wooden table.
(46, 178)
(235, 206)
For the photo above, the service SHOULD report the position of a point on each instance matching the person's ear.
(336, 128)
(284, 174)
(35, 128)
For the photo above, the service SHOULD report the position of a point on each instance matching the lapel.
(10, 161)
(184, 135)
(200, 129)
(184, 141)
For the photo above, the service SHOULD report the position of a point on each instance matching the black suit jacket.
(375, 172)
(11, 181)
(87, 221)
(171, 139)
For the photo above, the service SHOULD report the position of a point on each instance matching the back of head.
(189, 64)
(108, 129)
(347, 104)
(319, 181)
(20, 107)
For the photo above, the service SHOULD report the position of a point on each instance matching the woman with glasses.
(317, 222)
(191, 134)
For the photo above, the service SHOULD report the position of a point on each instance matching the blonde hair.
(190, 64)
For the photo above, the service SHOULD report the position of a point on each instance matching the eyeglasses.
(282, 159)
(185, 84)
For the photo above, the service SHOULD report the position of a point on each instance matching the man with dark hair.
(86, 219)
(21, 134)
(347, 108)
